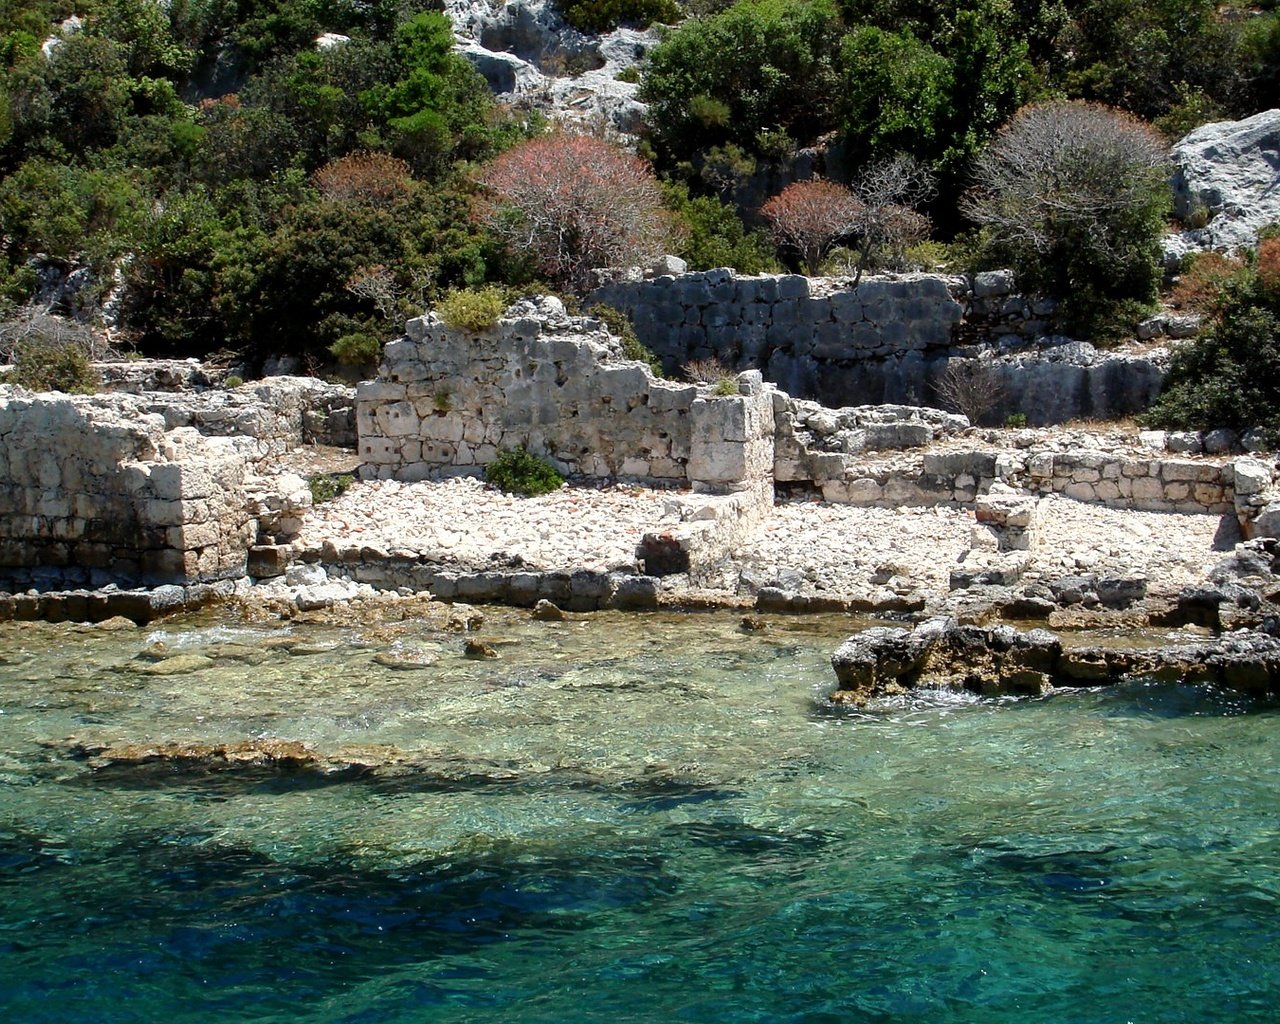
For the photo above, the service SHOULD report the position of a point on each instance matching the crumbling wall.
(450, 400)
(95, 490)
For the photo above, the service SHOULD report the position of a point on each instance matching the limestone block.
(450, 427)
(1081, 491)
(901, 491)
(377, 392)
(952, 464)
(398, 419)
(1188, 441)
(1040, 465)
(865, 491)
(1251, 476)
(793, 286)
(1147, 489)
(1207, 494)
(835, 492)
(897, 435)
(1174, 469)
(158, 512)
(992, 283)
(379, 450)
(199, 535)
(827, 466)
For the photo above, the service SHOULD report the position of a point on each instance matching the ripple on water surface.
(652, 818)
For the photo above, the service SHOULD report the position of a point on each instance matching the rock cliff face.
(1230, 172)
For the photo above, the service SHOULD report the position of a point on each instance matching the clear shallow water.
(626, 819)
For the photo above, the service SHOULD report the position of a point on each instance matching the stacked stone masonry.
(452, 400)
(887, 341)
(448, 401)
(97, 487)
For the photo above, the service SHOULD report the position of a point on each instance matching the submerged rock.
(179, 664)
(478, 650)
(546, 611)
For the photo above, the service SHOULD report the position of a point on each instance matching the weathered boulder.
(1231, 170)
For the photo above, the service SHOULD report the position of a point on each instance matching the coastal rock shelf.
(943, 654)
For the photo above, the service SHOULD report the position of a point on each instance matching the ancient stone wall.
(96, 490)
(450, 400)
(276, 413)
(887, 341)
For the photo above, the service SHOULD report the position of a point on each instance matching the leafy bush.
(472, 309)
(760, 66)
(1074, 197)
(329, 486)
(1229, 376)
(710, 234)
(605, 15)
(575, 203)
(1203, 281)
(356, 349)
(233, 381)
(517, 471)
(42, 364)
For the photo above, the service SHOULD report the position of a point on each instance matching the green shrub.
(1074, 197)
(1229, 376)
(621, 327)
(725, 387)
(518, 472)
(472, 309)
(232, 382)
(760, 66)
(356, 349)
(606, 15)
(1016, 420)
(328, 486)
(713, 235)
(630, 75)
(54, 365)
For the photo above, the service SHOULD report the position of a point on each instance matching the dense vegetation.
(233, 186)
(1230, 375)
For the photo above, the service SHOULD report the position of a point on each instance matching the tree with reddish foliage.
(875, 214)
(575, 203)
(811, 216)
(375, 179)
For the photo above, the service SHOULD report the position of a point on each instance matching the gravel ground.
(464, 521)
(836, 548)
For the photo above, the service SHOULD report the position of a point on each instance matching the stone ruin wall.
(96, 487)
(888, 341)
(450, 400)
(156, 488)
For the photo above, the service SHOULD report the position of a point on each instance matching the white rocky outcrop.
(529, 55)
(1230, 170)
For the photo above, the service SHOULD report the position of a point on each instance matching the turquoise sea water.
(650, 819)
